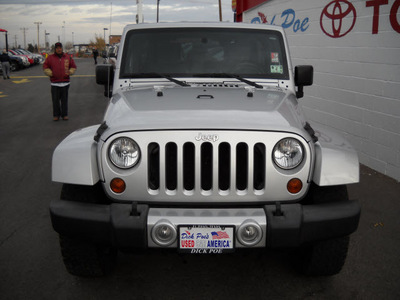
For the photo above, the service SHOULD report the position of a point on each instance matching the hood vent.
(214, 85)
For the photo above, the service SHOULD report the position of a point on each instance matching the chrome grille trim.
(206, 167)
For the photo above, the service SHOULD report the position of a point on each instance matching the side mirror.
(303, 76)
(105, 76)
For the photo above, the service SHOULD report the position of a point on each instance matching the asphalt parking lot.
(30, 262)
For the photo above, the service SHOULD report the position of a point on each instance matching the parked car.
(17, 53)
(204, 149)
(111, 57)
(37, 58)
(18, 61)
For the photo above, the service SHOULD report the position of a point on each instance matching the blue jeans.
(59, 96)
(6, 69)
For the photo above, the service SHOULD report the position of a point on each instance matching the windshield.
(211, 52)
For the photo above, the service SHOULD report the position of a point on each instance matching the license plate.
(206, 239)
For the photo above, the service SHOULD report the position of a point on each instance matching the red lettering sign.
(375, 20)
(393, 16)
(187, 244)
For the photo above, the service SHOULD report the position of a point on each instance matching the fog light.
(164, 233)
(249, 233)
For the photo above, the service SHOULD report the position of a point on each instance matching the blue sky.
(84, 19)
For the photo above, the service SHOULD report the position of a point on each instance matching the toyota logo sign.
(338, 18)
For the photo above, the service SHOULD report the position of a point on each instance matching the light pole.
(63, 33)
(158, 10)
(105, 37)
(46, 41)
(38, 46)
(24, 31)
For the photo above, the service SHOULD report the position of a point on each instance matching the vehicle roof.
(203, 25)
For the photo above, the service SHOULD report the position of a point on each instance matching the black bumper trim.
(114, 224)
(105, 224)
(300, 224)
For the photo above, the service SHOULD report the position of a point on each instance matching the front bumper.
(128, 226)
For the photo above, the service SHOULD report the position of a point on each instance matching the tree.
(99, 42)
(30, 48)
(68, 46)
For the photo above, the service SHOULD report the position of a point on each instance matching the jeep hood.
(217, 108)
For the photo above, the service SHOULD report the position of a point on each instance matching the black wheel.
(85, 258)
(82, 258)
(14, 66)
(324, 258)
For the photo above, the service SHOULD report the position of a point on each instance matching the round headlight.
(124, 153)
(288, 153)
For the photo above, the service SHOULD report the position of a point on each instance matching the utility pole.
(139, 15)
(15, 41)
(220, 11)
(38, 45)
(24, 31)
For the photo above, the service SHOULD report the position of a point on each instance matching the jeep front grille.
(207, 166)
(219, 166)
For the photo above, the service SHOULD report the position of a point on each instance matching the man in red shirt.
(59, 66)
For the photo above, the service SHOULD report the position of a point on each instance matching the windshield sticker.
(275, 57)
(277, 69)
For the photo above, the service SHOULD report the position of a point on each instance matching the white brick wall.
(357, 76)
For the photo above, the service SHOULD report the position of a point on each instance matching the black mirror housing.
(303, 76)
(105, 76)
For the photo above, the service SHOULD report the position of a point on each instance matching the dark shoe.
(65, 118)
(56, 118)
(8, 77)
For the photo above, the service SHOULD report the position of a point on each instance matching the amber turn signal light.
(294, 185)
(117, 185)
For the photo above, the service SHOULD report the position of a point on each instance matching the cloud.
(87, 18)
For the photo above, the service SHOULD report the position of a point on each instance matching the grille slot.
(171, 166)
(223, 168)
(189, 166)
(153, 166)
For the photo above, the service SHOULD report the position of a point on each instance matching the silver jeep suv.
(204, 148)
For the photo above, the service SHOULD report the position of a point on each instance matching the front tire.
(14, 66)
(324, 258)
(85, 258)
(327, 257)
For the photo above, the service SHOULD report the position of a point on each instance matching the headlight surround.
(124, 153)
(288, 153)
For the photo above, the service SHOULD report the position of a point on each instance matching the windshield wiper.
(238, 77)
(157, 75)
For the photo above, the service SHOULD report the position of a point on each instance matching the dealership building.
(354, 46)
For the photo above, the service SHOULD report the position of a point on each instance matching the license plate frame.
(206, 239)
